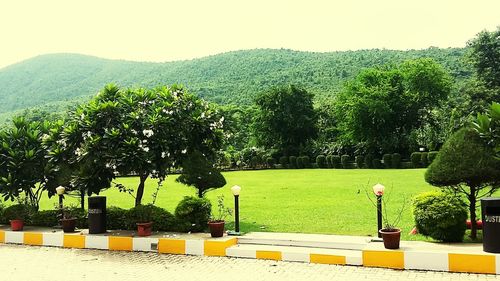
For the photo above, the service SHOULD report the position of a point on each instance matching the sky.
(156, 30)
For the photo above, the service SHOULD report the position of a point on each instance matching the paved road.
(22, 263)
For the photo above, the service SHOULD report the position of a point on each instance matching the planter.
(391, 238)
(144, 228)
(68, 225)
(16, 225)
(216, 228)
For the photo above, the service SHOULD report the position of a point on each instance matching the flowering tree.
(135, 131)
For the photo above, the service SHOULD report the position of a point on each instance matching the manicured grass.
(311, 200)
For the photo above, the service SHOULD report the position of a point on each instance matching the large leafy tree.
(485, 56)
(382, 106)
(286, 120)
(23, 161)
(465, 164)
(135, 131)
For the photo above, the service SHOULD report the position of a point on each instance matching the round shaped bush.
(306, 162)
(335, 161)
(193, 213)
(18, 212)
(396, 160)
(387, 159)
(440, 215)
(369, 161)
(321, 161)
(432, 155)
(424, 159)
(48, 218)
(329, 161)
(161, 218)
(116, 218)
(293, 162)
(284, 161)
(415, 159)
(298, 162)
(376, 163)
(344, 159)
(359, 161)
(270, 161)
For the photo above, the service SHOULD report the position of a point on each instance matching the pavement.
(26, 263)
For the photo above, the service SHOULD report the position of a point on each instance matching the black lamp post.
(378, 189)
(236, 192)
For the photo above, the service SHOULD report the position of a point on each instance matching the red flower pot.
(16, 225)
(144, 228)
(68, 225)
(216, 228)
(391, 238)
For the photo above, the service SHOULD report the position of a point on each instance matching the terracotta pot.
(144, 228)
(216, 228)
(16, 225)
(391, 238)
(68, 225)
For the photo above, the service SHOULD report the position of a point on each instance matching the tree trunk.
(82, 200)
(140, 190)
(200, 193)
(472, 210)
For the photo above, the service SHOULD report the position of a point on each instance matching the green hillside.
(233, 77)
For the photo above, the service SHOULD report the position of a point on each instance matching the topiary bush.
(344, 159)
(48, 218)
(424, 159)
(293, 162)
(359, 161)
(18, 212)
(192, 214)
(432, 155)
(415, 159)
(161, 218)
(321, 161)
(329, 161)
(270, 161)
(376, 164)
(396, 161)
(387, 159)
(335, 161)
(369, 161)
(306, 162)
(116, 218)
(284, 161)
(298, 162)
(440, 215)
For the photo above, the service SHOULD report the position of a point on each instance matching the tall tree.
(285, 120)
(485, 56)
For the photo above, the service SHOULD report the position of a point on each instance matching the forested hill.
(233, 77)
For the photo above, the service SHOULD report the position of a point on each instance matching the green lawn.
(310, 200)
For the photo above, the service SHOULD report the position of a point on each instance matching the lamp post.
(236, 192)
(378, 189)
(60, 192)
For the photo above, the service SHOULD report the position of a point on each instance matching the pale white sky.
(156, 30)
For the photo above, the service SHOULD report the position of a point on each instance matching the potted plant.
(68, 220)
(216, 223)
(391, 234)
(17, 215)
(143, 215)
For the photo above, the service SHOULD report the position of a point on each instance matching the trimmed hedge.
(335, 161)
(18, 211)
(321, 161)
(359, 161)
(284, 161)
(161, 218)
(396, 161)
(329, 161)
(47, 218)
(117, 218)
(270, 161)
(415, 159)
(344, 159)
(369, 161)
(432, 155)
(306, 161)
(376, 163)
(440, 215)
(424, 160)
(387, 159)
(293, 162)
(193, 213)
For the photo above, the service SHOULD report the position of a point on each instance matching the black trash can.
(97, 214)
(490, 211)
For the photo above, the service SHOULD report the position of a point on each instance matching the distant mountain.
(233, 77)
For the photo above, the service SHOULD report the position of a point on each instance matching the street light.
(236, 192)
(378, 189)
(60, 191)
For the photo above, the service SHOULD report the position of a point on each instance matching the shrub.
(369, 161)
(2, 218)
(284, 161)
(396, 161)
(116, 218)
(387, 159)
(321, 161)
(344, 159)
(335, 161)
(432, 155)
(329, 161)
(270, 161)
(193, 214)
(298, 162)
(161, 218)
(79, 214)
(18, 211)
(415, 159)
(293, 162)
(440, 215)
(359, 161)
(306, 161)
(376, 164)
(424, 159)
(48, 218)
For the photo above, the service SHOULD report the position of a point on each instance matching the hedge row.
(191, 215)
(422, 159)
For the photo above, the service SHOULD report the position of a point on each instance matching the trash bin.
(490, 211)
(97, 214)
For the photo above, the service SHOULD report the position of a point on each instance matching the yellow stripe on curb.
(472, 263)
(116, 243)
(172, 246)
(388, 259)
(2, 236)
(327, 259)
(218, 248)
(268, 255)
(33, 238)
(74, 241)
